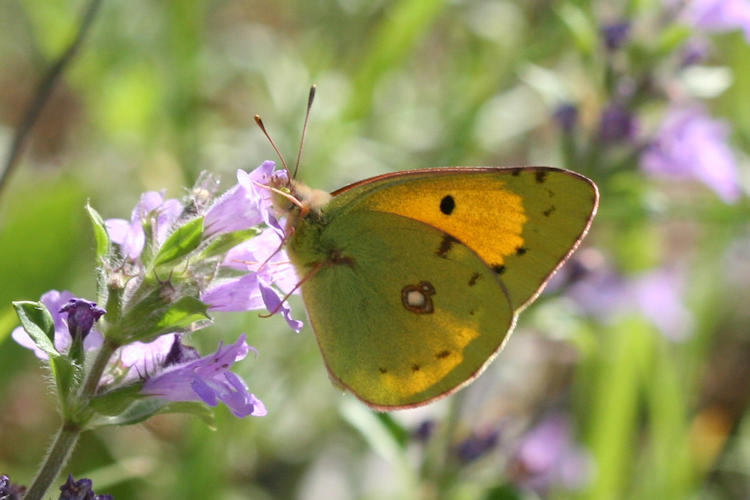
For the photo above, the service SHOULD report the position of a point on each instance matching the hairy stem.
(57, 457)
(71, 428)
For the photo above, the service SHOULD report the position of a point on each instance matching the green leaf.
(153, 317)
(135, 413)
(200, 410)
(224, 242)
(180, 243)
(397, 431)
(146, 408)
(116, 401)
(183, 314)
(38, 323)
(671, 38)
(380, 438)
(503, 492)
(101, 236)
(67, 377)
(581, 26)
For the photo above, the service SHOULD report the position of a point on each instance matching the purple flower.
(274, 304)
(240, 294)
(209, 380)
(264, 250)
(719, 15)
(80, 490)
(615, 34)
(477, 445)
(566, 117)
(617, 124)
(656, 295)
(424, 431)
(691, 144)
(54, 301)
(82, 315)
(695, 50)
(547, 457)
(130, 234)
(248, 203)
(138, 359)
(253, 290)
(10, 491)
(245, 205)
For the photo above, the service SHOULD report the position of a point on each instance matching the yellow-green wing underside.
(523, 222)
(398, 324)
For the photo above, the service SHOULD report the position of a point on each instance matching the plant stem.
(58, 455)
(71, 428)
(95, 373)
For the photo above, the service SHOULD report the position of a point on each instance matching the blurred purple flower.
(81, 314)
(617, 124)
(566, 116)
(615, 34)
(548, 457)
(656, 295)
(54, 301)
(80, 490)
(694, 51)
(10, 491)
(209, 380)
(719, 15)
(130, 234)
(691, 144)
(424, 430)
(476, 445)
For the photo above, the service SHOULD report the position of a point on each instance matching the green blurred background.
(163, 90)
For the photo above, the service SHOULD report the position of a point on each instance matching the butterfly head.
(312, 200)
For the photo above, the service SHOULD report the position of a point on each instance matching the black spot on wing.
(415, 367)
(473, 279)
(445, 245)
(549, 211)
(499, 269)
(382, 370)
(516, 172)
(442, 354)
(541, 176)
(521, 250)
(447, 204)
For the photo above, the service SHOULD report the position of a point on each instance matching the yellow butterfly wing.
(523, 222)
(412, 280)
(398, 323)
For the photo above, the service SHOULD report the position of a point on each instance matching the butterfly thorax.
(306, 221)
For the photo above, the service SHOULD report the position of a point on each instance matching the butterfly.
(413, 280)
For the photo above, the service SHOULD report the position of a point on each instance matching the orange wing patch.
(476, 210)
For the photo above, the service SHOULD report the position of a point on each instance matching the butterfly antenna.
(273, 144)
(310, 100)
